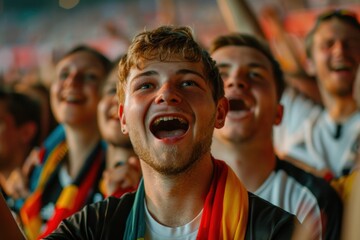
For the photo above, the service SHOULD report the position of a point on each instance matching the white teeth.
(157, 121)
(72, 98)
(340, 67)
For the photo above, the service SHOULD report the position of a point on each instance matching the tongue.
(169, 134)
(236, 105)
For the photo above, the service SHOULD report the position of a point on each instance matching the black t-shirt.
(107, 220)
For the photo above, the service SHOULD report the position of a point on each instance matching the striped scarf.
(72, 198)
(225, 212)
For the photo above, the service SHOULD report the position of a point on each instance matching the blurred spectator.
(123, 171)
(19, 133)
(41, 94)
(253, 83)
(72, 157)
(323, 139)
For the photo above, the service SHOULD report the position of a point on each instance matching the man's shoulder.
(113, 202)
(101, 220)
(267, 221)
(319, 187)
(260, 206)
(327, 199)
(326, 196)
(112, 208)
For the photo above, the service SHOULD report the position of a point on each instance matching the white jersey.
(285, 192)
(307, 133)
(304, 195)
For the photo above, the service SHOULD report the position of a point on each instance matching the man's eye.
(189, 83)
(328, 44)
(145, 86)
(224, 75)
(254, 75)
(63, 75)
(90, 77)
(110, 91)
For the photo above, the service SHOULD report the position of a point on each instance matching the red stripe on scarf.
(33, 208)
(212, 214)
(80, 199)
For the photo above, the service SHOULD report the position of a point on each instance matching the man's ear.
(279, 114)
(222, 110)
(122, 119)
(310, 67)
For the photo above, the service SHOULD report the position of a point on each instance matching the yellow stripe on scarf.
(67, 199)
(53, 160)
(235, 208)
(32, 224)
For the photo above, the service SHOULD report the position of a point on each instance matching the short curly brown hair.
(165, 43)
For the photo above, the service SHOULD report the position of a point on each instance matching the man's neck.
(80, 144)
(340, 108)
(252, 161)
(167, 196)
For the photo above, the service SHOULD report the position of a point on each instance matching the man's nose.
(74, 78)
(339, 48)
(237, 81)
(168, 94)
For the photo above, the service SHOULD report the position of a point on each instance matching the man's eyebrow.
(258, 65)
(223, 65)
(146, 74)
(180, 71)
(251, 64)
(186, 71)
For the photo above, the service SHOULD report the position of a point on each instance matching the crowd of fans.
(289, 137)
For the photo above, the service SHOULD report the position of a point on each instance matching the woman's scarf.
(225, 212)
(72, 197)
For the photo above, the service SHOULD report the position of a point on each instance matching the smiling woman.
(72, 157)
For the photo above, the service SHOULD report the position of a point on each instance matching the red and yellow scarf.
(225, 213)
(71, 199)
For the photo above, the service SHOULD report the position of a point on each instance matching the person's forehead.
(81, 58)
(243, 55)
(170, 66)
(337, 26)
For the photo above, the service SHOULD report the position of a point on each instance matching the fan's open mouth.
(237, 105)
(169, 127)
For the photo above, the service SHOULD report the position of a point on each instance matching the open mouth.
(340, 68)
(169, 127)
(73, 99)
(237, 105)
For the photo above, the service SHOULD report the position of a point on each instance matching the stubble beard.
(236, 136)
(169, 160)
(339, 91)
(344, 92)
